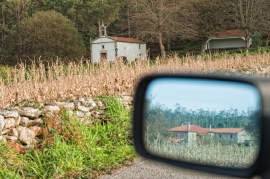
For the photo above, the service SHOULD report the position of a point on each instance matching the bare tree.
(162, 20)
(248, 13)
(212, 17)
(266, 25)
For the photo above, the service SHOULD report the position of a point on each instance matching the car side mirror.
(210, 123)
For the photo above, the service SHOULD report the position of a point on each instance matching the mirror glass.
(202, 121)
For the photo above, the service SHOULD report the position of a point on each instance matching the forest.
(65, 28)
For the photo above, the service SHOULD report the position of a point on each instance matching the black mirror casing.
(261, 164)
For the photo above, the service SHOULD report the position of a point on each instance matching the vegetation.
(168, 23)
(59, 81)
(213, 153)
(71, 149)
(46, 35)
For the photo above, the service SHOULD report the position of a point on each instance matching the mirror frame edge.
(259, 163)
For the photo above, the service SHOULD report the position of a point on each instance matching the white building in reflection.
(193, 133)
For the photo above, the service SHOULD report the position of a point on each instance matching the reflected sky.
(203, 94)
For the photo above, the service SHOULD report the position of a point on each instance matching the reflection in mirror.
(203, 121)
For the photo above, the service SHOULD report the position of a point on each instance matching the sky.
(203, 94)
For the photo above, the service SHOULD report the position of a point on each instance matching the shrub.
(45, 35)
(257, 39)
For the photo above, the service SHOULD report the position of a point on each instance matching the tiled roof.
(226, 130)
(201, 130)
(193, 128)
(231, 33)
(130, 40)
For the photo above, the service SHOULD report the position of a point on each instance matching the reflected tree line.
(159, 119)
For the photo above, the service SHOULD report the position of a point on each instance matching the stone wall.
(24, 125)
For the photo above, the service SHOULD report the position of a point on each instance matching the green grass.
(77, 150)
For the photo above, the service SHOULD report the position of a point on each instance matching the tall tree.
(12, 12)
(122, 25)
(266, 24)
(247, 13)
(212, 17)
(161, 20)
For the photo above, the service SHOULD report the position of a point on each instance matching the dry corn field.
(212, 154)
(69, 81)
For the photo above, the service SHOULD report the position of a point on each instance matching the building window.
(103, 46)
(139, 46)
(220, 135)
(231, 136)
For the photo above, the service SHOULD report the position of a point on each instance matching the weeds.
(71, 149)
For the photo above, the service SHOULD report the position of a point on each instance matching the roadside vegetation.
(71, 149)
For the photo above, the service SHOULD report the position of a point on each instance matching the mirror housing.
(262, 161)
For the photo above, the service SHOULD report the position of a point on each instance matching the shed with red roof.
(229, 39)
(191, 133)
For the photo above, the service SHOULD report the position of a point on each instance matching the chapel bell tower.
(103, 30)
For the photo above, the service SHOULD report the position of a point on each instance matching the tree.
(12, 12)
(247, 13)
(47, 35)
(266, 25)
(122, 25)
(85, 14)
(162, 20)
(92, 13)
(212, 17)
(253, 124)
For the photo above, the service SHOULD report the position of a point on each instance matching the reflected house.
(192, 133)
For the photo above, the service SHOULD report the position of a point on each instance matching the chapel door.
(103, 57)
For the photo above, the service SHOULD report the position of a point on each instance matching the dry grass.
(69, 81)
(230, 155)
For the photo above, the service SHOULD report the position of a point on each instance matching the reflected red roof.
(193, 128)
(201, 130)
(226, 130)
(129, 40)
